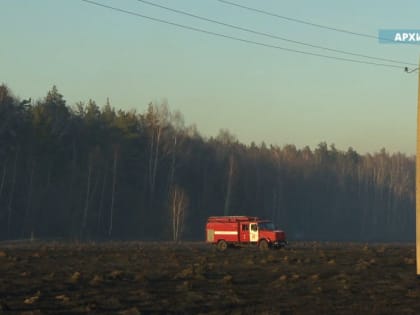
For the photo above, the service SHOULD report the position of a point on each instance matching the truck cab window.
(267, 226)
(254, 227)
(244, 227)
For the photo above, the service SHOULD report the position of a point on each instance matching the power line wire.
(238, 38)
(303, 21)
(274, 36)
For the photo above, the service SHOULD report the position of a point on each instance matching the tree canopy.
(92, 172)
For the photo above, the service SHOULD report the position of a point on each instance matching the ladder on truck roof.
(231, 218)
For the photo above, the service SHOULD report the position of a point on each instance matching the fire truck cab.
(243, 230)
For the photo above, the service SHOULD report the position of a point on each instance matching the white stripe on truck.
(226, 232)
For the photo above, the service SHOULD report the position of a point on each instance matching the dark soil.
(193, 278)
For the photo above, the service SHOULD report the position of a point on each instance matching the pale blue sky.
(259, 94)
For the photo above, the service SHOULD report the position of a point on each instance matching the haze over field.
(87, 172)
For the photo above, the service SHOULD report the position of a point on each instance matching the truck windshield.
(268, 226)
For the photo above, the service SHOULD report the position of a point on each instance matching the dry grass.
(163, 278)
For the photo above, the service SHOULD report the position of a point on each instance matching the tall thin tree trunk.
(3, 178)
(49, 176)
(174, 215)
(101, 202)
(179, 201)
(281, 214)
(173, 162)
(86, 210)
(155, 165)
(203, 199)
(229, 185)
(114, 181)
(94, 189)
(74, 221)
(29, 203)
(274, 206)
(152, 142)
(12, 192)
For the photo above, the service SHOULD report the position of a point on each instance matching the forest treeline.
(93, 172)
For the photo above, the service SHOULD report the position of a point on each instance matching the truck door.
(253, 232)
(244, 232)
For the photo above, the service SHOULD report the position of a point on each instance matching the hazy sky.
(258, 93)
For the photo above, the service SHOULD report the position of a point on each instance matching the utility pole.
(418, 177)
(417, 171)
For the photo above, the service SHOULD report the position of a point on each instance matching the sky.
(257, 93)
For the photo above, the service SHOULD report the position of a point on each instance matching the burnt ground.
(193, 278)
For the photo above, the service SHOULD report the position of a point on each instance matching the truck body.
(243, 230)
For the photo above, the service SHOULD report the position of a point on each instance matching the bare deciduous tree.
(178, 208)
(157, 120)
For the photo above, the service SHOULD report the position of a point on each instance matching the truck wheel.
(221, 245)
(263, 245)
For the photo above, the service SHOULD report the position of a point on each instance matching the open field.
(192, 278)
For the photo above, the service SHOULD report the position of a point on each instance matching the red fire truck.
(243, 230)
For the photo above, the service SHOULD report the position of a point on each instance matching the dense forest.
(89, 172)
